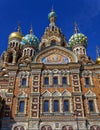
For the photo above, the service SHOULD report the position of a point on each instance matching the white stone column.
(91, 81)
(96, 106)
(51, 105)
(68, 79)
(61, 105)
(71, 105)
(51, 80)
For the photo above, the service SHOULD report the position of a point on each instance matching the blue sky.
(85, 12)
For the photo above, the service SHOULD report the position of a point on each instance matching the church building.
(49, 84)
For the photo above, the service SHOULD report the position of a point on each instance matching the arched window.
(67, 128)
(22, 128)
(64, 128)
(70, 128)
(49, 128)
(92, 128)
(98, 128)
(16, 128)
(43, 128)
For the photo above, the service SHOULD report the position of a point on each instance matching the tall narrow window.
(46, 80)
(21, 106)
(46, 106)
(66, 105)
(64, 80)
(24, 82)
(56, 105)
(87, 81)
(91, 106)
(55, 80)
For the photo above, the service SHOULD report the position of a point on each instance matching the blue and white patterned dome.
(30, 39)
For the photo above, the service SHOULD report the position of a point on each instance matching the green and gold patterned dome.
(78, 39)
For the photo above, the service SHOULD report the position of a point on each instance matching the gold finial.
(97, 51)
(18, 27)
(76, 30)
(31, 29)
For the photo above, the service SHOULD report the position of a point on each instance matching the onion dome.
(78, 39)
(30, 40)
(98, 60)
(17, 34)
(52, 14)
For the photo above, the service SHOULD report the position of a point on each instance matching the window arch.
(67, 127)
(43, 128)
(19, 128)
(46, 128)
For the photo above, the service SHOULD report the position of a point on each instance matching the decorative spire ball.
(52, 16)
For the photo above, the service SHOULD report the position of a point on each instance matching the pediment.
(90, 94)
(66, 93)
(22, 95)
(46, 94)
(56, 55)
(56, 93)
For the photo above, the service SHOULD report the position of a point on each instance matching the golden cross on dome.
(31, 29)
(76, 30)
(18, 27)
(97, 51)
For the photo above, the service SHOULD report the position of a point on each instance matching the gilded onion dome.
(98, 60)
(30, 39)
(78, 39)
(17, 34)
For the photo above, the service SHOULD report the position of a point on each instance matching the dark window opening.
(10, 58)
(66, 105)
(56, 105)
(64, 80)
(46, 80)
(87, 81)
(91, 106)
(55, 80)
(21, 106)
(24, 82)
(46, 106)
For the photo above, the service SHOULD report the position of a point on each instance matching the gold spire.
(76, 30)
(31, 29)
